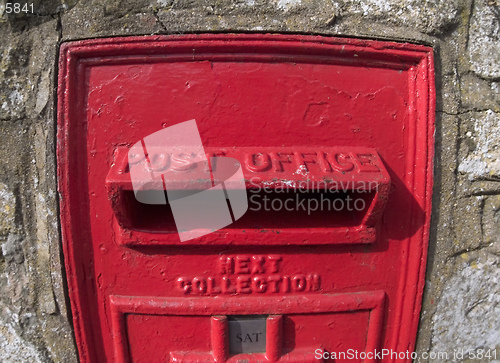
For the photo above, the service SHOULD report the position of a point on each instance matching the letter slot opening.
(338, 199)
(272, 209)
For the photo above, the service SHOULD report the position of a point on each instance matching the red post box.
(334, 138)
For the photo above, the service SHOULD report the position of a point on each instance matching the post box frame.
(76, 57)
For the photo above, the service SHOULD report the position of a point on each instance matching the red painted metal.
(360, 170)
(292, 109)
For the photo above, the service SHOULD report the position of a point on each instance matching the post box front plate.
(351, 280)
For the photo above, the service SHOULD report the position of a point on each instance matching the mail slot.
(293, 227)
(353, 193)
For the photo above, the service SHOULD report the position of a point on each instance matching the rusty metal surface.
(138, 295)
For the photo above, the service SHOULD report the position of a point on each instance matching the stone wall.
(462, 297)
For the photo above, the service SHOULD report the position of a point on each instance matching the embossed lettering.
(299, 283)
(258, 162)
(258, 264)
(281, 157)
(226, 265)
(243, 274)
(259, 284)
(243, 285)
(302, 159)
(274, 281)
(200, 285)
(226, 286)
(341, 162)
(323, 163)
(275, 263)
(184, 284)
(365, 163)
(242, 265)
